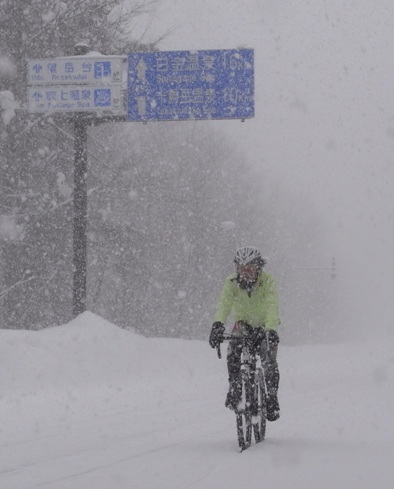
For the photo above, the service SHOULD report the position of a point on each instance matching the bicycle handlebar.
(243, 338)
(225, 337)
(218, 351)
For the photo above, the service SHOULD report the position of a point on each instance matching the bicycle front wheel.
(259, 407)
(244, 417)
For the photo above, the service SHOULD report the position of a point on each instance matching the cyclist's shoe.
(273, 411)
(232, 400)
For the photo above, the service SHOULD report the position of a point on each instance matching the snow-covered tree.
(36, 157)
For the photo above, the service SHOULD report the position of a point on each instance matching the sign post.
(81, 85)
(80, 215)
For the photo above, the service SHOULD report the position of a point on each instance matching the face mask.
(248, 273)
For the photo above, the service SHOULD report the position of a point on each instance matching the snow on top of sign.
(93, 54)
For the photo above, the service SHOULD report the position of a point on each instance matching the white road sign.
(75, 98)
(105, 70)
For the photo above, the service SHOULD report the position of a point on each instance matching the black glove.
(216, 336)
(273, 337)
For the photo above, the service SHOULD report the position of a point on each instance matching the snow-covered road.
(88, 405)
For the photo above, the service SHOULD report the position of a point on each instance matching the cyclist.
(250, 296)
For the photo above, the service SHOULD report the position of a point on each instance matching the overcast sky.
(324, 122)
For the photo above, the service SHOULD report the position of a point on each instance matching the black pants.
(269, 363)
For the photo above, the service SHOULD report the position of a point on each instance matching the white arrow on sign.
(141, 69)
(141, 105)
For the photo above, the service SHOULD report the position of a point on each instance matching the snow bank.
(87, 363)
(87, 351)
(88, 404)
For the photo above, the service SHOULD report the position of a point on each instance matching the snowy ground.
(88, 405)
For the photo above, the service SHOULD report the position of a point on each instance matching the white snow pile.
(7, 106)
(88, 404)
(9, 229)
(7, 67)
(7, 100)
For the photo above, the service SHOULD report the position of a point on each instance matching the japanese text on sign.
(78, 70)
(182, 85)
(75, 98)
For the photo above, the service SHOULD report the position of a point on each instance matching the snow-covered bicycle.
(251, 411)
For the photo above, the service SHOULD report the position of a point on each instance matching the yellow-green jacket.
(261, 308)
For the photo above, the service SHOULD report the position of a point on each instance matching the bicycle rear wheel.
(259, 408)
(244, 418)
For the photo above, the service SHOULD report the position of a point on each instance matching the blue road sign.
(189, 85)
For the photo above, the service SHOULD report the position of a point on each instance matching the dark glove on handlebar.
(273, 337)
(216, 336)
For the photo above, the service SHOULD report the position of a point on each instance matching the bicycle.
(251, 412)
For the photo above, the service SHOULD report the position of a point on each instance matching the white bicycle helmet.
(248, 254)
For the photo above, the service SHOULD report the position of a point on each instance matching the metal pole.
(80, 206)
(80, 214)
